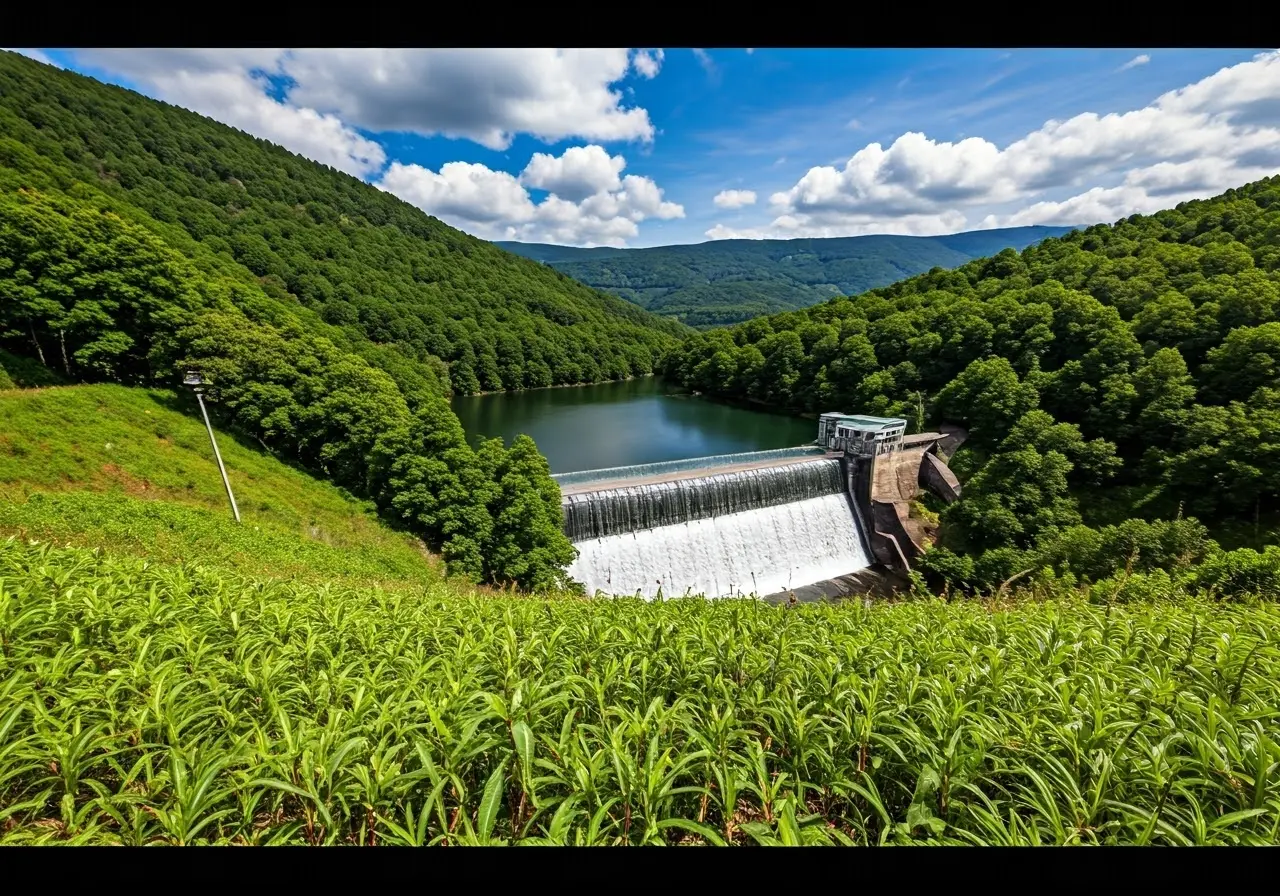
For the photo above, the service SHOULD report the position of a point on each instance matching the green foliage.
(137, 239)
(987, 398)
(25, 373)
(727, 281)
(1243, 571)
(1122, 371)
(1135, 560)
(527, 540)
(152, 704)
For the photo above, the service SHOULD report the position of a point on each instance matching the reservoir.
(639, 421)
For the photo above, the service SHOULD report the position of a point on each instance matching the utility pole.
(196, 382)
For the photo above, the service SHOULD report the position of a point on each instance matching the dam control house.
(861, 435)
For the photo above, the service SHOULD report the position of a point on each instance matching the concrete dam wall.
(758, 523)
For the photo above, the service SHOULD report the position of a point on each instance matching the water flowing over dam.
(616, 511)
(736, 524)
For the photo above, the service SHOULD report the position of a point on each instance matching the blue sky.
(632, 147)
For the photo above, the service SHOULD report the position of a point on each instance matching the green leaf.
(761, 833)
(1231, 818)
(920, 816)
(490, 802)
(565, 813)
(523, 738)
(692, 827)
(788, 827)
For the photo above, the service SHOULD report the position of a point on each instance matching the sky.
(646, 147)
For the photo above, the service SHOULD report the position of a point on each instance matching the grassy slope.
(710, 280)
(132, 470)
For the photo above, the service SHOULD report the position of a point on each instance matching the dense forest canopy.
(728, 281)
(362, 259)
(1111, 379)
(137, 238)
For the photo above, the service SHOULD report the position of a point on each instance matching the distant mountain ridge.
(727, 281)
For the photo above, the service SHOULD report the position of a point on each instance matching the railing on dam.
(610, 474)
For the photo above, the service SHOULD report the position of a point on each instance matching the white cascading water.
(761, 551)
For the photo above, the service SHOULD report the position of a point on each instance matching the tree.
(1247, 360)
(527, 545)
(987, 398)
(1093, 462)
(1015, 497)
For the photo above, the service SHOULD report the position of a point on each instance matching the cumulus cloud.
(734, 198)
(1221, 131)
(328, 95)
(647, 63)
(580, 172)
(1141, 59)
(486, 96)
(589, 202)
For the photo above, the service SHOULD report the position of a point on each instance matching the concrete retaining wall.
(897, 541)
(954, 436)
(937, 477)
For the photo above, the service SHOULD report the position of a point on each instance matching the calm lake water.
(641, 421)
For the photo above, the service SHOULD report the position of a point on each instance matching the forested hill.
(1115, 374)
(137, 239)
(727, 281)
(359, 257)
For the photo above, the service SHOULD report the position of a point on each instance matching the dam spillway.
(616, 511)
(755, 523)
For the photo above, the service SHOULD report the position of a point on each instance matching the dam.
(757, 523)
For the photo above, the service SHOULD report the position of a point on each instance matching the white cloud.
(647, 63)
(32, 53)
(705, 60)
(487, 96)
(496, 205)
(1221, 131)
(461, 190)
(750, 50)
(580, 172)
(1144, 191)
(787, 227)
(734, 198)
(1141, 59)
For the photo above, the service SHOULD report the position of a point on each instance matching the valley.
(728, 281)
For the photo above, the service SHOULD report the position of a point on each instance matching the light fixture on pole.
(195, 381)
